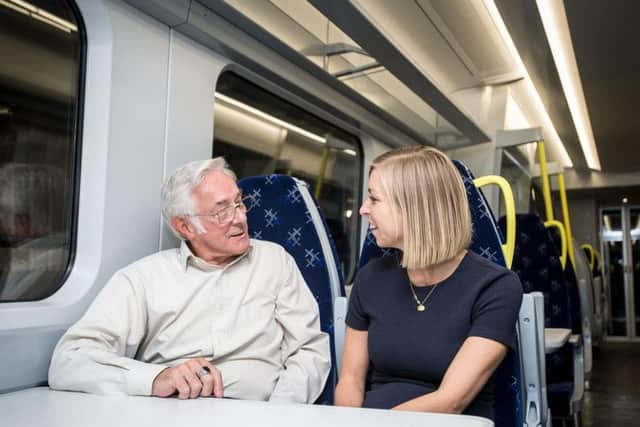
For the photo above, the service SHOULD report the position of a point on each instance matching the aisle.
(614, 397)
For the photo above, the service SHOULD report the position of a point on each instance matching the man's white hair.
(177, 200)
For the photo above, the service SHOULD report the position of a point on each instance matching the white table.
(554, 338)
(44, 407)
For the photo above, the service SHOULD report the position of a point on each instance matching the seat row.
(546, 372)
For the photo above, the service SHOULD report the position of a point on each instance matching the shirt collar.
(187, 258)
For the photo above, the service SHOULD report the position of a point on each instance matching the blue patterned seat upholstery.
(572, 287)
(537, 263)
(371, 250)
(487, 237)
(283, 210)
(485, 242)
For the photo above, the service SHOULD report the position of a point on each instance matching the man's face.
(215, 242)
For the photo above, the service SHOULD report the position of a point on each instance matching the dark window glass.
(260, 133)
(536, 204)
(515, 173)
(41, 50)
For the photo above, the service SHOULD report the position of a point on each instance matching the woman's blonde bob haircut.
(429, 200)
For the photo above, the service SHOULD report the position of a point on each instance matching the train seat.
(578, 280)
(571, 279)
(587, 312)
(486, 241)
(597, 293)
(283, 210)
(537, 263)
(533, 408)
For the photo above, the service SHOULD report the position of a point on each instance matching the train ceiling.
(417, 60)
(456, 46)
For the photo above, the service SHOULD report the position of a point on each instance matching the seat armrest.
(532, 360)
(575, 340)
(578, 373)
(555, 338)
(339, 326)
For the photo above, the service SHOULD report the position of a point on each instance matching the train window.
(41, 49)
(514, 169)
(260, 133)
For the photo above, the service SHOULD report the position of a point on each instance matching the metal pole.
(323, 171)
(627, 269)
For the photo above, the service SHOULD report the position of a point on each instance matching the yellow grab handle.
(598, 260)
(546, 187)
(592, 255)
(566, 220)
(510, 246)
(563, 239)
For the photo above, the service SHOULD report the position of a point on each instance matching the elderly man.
(222, 315)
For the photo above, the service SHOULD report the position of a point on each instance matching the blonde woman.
(427, 329)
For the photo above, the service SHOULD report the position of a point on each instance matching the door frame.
(627, 268)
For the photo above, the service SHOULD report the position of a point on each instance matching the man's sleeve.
(305, 348)
(96, 354)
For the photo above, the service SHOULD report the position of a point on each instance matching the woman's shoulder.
(486, 266)
(488, 273)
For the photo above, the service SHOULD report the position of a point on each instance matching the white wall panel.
(121, 168)
(193, 73)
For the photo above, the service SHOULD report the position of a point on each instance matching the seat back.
(587, 312)
(598, 303)
(580, 325)
(575, 305)
(486, 242)
(487, 237)
(371, 250)
(537, 263)
(284, 211)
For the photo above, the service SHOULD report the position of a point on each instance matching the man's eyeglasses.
(227, 214)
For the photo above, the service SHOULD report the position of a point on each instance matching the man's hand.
(190, 379)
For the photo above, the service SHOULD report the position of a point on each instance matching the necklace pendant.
(420, 307)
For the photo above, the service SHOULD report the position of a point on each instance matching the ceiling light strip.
(270, 118)
(531, 89)
(39, 14)
(14, 7)
(57, 20)
(48, 21)
(554, 21)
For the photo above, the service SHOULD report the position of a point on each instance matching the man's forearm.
(93, 370)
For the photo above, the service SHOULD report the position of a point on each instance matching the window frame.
(343, 124)
(75, 156)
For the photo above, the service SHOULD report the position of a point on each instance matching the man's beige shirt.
(255, 319)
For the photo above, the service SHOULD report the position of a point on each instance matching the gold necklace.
(420, 304)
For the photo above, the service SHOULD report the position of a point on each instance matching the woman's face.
(378, 208)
